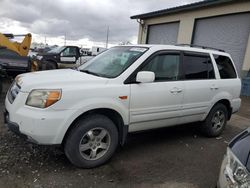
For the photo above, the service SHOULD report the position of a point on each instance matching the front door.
(157, 104)
(68, 57)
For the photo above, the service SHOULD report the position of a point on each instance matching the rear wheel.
(216, 121)
(91, 142)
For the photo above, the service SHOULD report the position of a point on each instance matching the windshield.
(113, 62)
(56, 50)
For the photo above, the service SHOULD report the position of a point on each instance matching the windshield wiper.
(89, 72)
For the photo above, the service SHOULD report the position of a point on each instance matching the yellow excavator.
(14, 57)
(22, 48)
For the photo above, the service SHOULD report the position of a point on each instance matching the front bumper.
(14, 127)
(41, 126)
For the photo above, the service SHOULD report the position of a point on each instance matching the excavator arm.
(22, 48)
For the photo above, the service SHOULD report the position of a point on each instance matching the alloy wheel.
(94, 144)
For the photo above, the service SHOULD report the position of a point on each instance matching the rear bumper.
(235, 104)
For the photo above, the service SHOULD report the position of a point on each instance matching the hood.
(47, 54)
(56, 79)
(240, 146)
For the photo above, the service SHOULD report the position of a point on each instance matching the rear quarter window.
(225, 67)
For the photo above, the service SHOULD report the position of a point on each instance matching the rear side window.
(198, 67)
(225, 66)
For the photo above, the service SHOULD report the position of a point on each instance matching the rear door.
(157, 104)
(199, 84)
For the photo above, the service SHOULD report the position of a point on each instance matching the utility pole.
(107, 39)
(45, 41)
(65, 39)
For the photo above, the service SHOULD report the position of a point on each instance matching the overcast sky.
(84, 22)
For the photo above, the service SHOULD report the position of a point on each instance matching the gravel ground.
(169, 157)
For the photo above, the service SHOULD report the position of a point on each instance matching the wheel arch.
(225, 102)
(113, 115)
(53, 61)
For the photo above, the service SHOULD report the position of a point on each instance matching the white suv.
(89, 111)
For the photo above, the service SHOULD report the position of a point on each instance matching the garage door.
(229, 32)
(163, 33)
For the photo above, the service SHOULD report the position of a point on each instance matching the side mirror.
(145, 77)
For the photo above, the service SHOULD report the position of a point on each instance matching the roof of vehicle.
(181, 47)
(187, 7)
(70, 46)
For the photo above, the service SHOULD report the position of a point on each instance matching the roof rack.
(198, 46)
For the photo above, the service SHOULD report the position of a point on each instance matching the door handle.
(179, 90)
(214, 87)
(176, 90)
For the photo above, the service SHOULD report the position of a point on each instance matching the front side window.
(225, 66)
(198, 67)
(165, 67)
(113, 62)
(56, 50)
(70, 51)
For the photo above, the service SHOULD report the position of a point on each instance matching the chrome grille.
(13, 92)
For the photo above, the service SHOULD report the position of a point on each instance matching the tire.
(216, 121)
(88, 145)
(50, 65)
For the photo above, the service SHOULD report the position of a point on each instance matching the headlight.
(236, 171)
(43, 98)
(18, 79)
(39, 57)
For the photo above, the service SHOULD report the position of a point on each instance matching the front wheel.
(91, 142)
(216, 121)
(50, 65)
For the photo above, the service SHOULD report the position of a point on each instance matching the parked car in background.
(60, 57)
(12, 64)
(89, 111)
(235, 168)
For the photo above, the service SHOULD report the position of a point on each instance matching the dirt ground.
(169, 157)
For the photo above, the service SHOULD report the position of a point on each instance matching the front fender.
(92, 104)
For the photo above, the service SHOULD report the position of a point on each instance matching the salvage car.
(235, 168)
(59, 57)
(89, 111)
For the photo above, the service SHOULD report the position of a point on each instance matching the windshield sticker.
(136, 49)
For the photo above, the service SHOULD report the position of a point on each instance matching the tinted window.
(225, 67)
(197, 67)
(165, 67)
